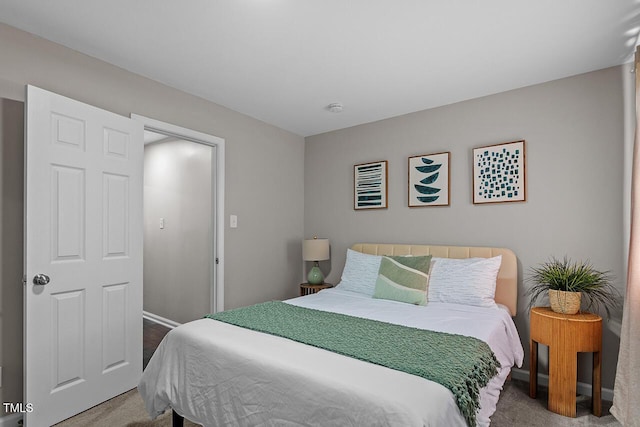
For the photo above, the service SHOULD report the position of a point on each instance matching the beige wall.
(264, 174)
(574, 134)
(11, 172)
(178, 258)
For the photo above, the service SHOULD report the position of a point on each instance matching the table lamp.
(315, 250)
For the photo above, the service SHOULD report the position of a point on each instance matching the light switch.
(161, 223)
(233, 221)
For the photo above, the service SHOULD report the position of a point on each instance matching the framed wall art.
(370, 185)
(499, 173)
(429, 180)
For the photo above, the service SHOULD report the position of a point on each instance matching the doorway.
(179, 182)
(183, 227)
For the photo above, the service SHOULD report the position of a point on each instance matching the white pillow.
(469, 281)
(360, 272)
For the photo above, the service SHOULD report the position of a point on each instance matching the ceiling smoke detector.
(335, 107)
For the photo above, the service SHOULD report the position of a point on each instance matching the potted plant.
(566, 282)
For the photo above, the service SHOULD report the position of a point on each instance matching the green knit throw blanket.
(461, 364)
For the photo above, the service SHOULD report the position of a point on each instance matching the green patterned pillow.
(404, 279)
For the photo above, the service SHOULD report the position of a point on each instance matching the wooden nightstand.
(307, 289)
(566, 335)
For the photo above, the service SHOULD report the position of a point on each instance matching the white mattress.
(218, 374)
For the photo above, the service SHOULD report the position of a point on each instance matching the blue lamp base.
(315, 276)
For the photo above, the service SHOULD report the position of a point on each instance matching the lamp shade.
(315, 249)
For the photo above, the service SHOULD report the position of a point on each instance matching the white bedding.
(218, 374)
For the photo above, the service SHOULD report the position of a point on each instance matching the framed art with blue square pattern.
(499, 173)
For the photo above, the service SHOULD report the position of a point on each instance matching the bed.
(218, 374)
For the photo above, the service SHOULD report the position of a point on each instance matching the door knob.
(40, 279)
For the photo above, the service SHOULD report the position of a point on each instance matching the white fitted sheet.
(218, 374)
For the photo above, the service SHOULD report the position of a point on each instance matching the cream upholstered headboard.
(507, 283)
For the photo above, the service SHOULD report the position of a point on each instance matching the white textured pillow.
(360, 272)
(469, 281)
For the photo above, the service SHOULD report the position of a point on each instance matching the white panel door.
(83, 225)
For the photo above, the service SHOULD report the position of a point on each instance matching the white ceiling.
(284, 61)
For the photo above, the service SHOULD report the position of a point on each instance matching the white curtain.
(626, 394)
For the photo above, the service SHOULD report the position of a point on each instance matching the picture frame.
(428, 180)
(499, 173)
(370, 185)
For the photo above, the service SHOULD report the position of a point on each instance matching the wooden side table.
(307, 289)
(565, 335)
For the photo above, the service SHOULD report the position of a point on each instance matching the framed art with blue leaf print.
(499, 173)
(429, 180)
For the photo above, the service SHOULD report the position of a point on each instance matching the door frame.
(153, 125)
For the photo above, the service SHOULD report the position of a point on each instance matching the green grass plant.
(574, 276)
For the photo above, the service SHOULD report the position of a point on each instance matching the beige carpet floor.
(126, 410)
(515, 409)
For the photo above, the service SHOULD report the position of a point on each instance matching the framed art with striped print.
(370, 185)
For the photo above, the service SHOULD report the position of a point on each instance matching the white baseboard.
(159, 320)
(582, 388)
(11, 420)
